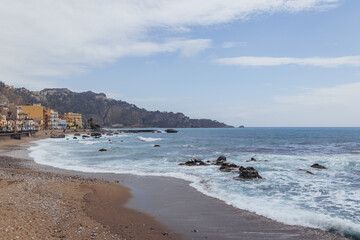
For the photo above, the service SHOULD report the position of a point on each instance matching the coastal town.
(18, 118)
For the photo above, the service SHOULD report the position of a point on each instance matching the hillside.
(105, 111)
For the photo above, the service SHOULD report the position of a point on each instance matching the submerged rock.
(248, 173)
(156, 145)
(306, 171)
(102, 150)
(194, 162)
(254, 160)
(318, 166)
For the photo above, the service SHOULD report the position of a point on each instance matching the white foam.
(211, 182)
(149, 139)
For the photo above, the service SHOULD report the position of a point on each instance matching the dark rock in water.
(102, 150)
(316, 165)
(57, 136)
(74, 137)
(95, 135)
(171, 131)
(156, 145)
(77, 134)
(228, 167)
(194, 162)
(254, 160)
(248, 173)
(306, 171)
(109, 134)
(220, 160)
(85, 136)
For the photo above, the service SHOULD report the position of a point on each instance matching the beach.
(78, 205)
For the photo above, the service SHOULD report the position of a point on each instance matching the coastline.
(184, 209)
(43, 204)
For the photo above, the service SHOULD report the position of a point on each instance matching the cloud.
(331, 106)
(233, 44)
(353, 61)
(44, 40)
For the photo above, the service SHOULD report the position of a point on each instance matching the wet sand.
(187, 211)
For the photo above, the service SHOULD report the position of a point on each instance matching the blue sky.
(253, 63)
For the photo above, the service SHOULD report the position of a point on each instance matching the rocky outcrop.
(171, 131)
(220, 160)
(194, 162)
(248, 173)
(318, 166)
(228, 167)
(53, 135)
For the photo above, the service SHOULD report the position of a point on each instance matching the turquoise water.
(329, 199)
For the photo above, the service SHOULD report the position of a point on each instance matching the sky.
(260, 63)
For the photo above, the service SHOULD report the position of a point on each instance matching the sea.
(328, 199)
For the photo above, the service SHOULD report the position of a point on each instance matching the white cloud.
(332, 106)
(273, 61)
(233, 44)
(54, 39)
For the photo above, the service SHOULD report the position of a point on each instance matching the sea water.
(329, 199)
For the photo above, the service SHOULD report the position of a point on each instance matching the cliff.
(105, 111)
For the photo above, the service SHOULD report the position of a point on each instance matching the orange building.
(36, 113)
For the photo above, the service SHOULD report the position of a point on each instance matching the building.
(36, 113)
(51, 119)
(73, 120)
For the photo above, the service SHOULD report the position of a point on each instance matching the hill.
(105, 111)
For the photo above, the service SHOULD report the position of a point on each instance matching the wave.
(149, 139)
(281, 210)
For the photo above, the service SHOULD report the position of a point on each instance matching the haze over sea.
(329, 199)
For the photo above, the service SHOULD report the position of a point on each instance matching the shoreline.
(187, 211)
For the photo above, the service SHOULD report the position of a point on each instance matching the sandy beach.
(42, 202)
(43, 205)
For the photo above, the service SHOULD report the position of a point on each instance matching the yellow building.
(36, 113)
(73, 120)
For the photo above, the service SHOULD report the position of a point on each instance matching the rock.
(318, 166)
(228, 167)
(156, 145)
(220, 160)
(102, 150)
(306, 171)
(57, 136)
(171, 131)
(248, 173)
(254, 160)
(96, 135)
(85, 136)
(194, 162)
(74, 137)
